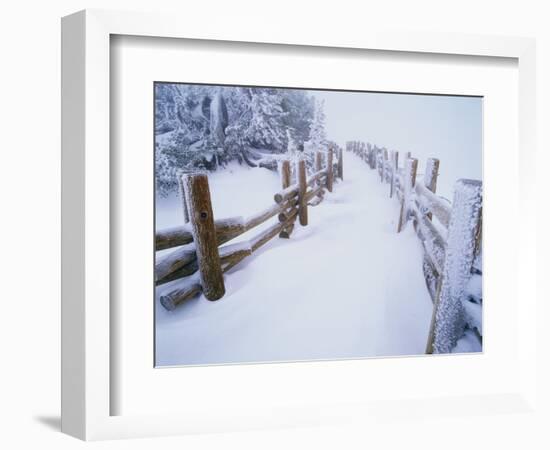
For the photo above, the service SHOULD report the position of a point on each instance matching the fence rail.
(200, 258)
(452, 242)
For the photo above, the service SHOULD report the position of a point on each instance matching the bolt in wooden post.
(448, 315)
(330, 170)
(302, 190)
(204, 235)
(185, 210)
(394, 167)
(430, 177)
(341, 164)
(409, 178)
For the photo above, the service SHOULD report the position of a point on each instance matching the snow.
(345, 286)
(468, 343)
(238, 190)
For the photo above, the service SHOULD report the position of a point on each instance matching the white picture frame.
(86, 319)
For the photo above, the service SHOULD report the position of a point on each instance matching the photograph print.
(298, 224)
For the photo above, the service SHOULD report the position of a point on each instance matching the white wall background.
(30, 188)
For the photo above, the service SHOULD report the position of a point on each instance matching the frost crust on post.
(465, 216)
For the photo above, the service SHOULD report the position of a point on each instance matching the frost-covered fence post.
(409, 178)
(448, 316)
(330, 170)
(302, 191)
(204, 235)
(183, 199)
(385, 166)
(318, 161)
(341, 164)
(380, 159)
(318, 168)
(394, 167)
(285, 182)
(285, 174)
(430, 177)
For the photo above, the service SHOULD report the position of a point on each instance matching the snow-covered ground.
(345, 286)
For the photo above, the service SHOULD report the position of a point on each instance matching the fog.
(444, 127)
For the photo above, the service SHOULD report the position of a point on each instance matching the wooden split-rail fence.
(451, 235)
(201, 258)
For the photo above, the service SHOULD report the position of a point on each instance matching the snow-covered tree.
(203, 127)
(317, 140)
(317, 135)
(299, 108)
(291, 147)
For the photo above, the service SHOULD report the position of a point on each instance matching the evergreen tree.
(317, 135)
(200, 127)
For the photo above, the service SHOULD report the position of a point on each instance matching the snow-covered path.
(345, 286)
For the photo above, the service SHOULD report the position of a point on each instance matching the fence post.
(341, 164)
(285, 174)
(318, 161)
(319, 167)
(430, 177)
(302, 190)
(381, 164)
(448, 313)
(330, 170)
(201, 217)
(409, 178)
(285, 182)
(394, 167)
(183, 200)
(385, 166)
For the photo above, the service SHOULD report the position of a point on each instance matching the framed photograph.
(266, 229)
(213, 143)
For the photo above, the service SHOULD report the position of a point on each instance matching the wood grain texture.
(204, 235)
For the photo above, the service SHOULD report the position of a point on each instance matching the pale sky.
(444, 127)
